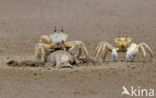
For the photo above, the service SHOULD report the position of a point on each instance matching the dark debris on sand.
(14, 63)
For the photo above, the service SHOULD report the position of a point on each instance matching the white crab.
(123, 44)
(61, 58)
(57, 41)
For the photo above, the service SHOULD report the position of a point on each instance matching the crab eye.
(62, 41)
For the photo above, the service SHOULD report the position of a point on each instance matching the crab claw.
(115, 54)
(130, 56)
(134, 49)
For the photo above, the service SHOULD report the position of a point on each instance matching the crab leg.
(141, 48)
(40, 50)
(104, 47)
(99, 48)
(45, 39)
(104, 52)
(73, 44)
(147, 47)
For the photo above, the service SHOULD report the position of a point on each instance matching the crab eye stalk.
(62, 29)
(55, 29)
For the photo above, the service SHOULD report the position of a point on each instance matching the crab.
(57, 41)
(123, 44)
(61, 58)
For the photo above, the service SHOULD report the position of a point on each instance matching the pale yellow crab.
(123, 44)
(57, 41)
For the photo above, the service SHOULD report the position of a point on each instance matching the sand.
(22, 22)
